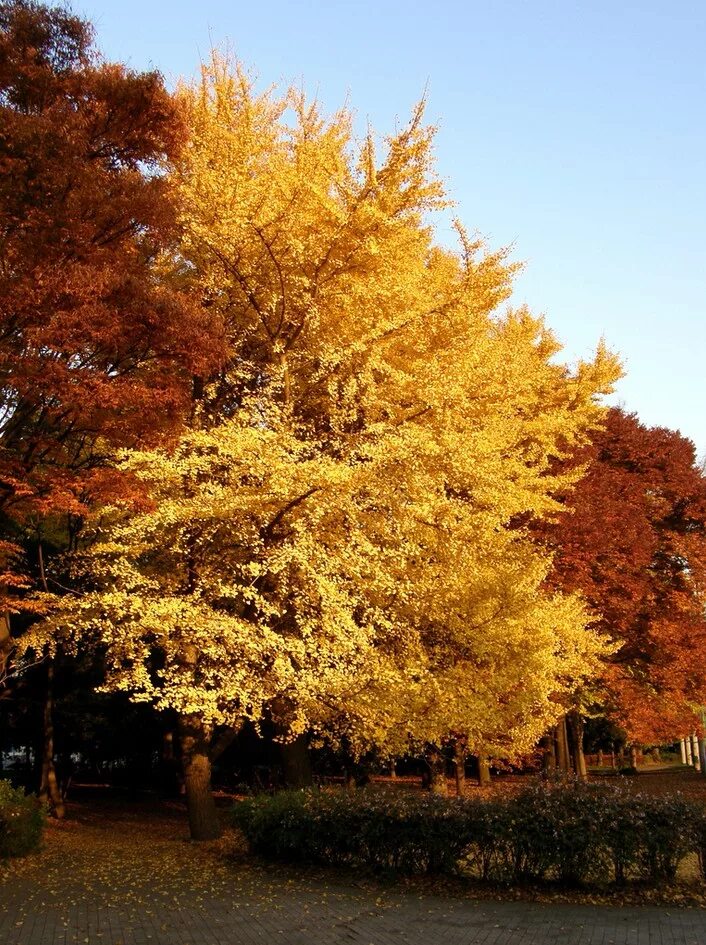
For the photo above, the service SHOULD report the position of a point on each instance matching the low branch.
(267, 530)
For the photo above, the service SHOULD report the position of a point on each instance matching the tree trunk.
(576, 728)
(548, 757)
(49, 785)
(5, 641)
(702, 754)
(460, 768)
(563, 761)
(296, 763)
(484, 778)
(695, 750)
(689, 759)
(633, 756)
(195, 740)
(437, 772)
(682, 747)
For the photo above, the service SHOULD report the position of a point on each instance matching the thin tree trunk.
(49, 785)
(460, 768)
(484, 778)
(548, 757)
(689, 759)
(702, 754)
(576, 728)
(5, 641)
(695, 750)
(563, 761)
(682, 747)
(195, 740)
(296, 763)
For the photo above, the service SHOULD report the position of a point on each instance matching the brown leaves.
(634, 543)
(97, 342)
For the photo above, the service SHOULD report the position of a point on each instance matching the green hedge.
(570, 834)
(21, 821)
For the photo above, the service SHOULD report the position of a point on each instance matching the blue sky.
(574, 131)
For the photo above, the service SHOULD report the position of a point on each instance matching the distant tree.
(634, 543)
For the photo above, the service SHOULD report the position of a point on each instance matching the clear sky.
(574, 131)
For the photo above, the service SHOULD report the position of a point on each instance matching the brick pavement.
(311, 912)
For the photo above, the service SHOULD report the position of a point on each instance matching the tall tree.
(327, 544)
(96, 348)
(91, 339)
(634, 544)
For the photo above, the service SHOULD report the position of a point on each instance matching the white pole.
(682, 746)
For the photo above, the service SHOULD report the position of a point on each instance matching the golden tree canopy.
(335, 537)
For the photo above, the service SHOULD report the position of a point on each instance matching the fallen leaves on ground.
(137, 856)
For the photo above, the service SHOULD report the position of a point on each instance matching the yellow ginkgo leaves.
(336, 536)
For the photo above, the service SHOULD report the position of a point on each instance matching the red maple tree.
(633, 542)
(96, 349)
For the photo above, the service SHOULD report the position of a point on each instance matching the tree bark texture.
(702, 753)
(689, 759)
(695, 751)
(483, 771)
(195, 738)
(563, 759)
(437, 772)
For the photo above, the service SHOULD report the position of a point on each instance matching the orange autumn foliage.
(96, 346)
(634, 543)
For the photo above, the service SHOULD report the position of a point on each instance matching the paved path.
(113, 880)
(326, 915)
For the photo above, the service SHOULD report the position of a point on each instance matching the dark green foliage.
(408, 833)
(569, 834)
(556, 831)
(672, 829)
(21, 821)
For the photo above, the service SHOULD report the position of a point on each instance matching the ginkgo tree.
(328, 542)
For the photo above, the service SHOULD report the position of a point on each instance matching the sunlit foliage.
(333, 539)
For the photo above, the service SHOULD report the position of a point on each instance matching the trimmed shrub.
(671, 833)
(625, 835)
(407, 833)
(556, 832)
(569, 834)
(21, 821)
